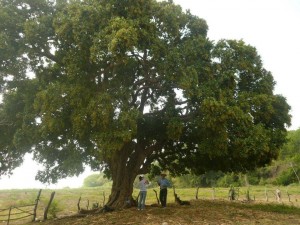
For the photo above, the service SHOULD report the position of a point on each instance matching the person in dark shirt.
(163, 184)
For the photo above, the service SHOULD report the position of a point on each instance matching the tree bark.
(125, 166)
(121, 192)
(123, 176)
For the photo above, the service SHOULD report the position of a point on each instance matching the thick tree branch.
(50, 56)
(141, 153)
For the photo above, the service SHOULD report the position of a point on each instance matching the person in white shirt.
(143, 184)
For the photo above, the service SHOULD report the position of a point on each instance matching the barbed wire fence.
(14, 213)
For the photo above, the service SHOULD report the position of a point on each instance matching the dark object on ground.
(180, 202)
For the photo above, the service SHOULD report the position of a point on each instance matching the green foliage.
(285, 169)
(210, 178)
(253, 178)
(230, 179)
(124, 84)
(54, 209)
(218, 179)
(155, 170)
(95, 180)
(292, 147)
(286, 177)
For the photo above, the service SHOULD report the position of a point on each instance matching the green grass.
(66, 199)
(278, 208)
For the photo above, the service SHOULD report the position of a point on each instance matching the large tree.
(122, 84)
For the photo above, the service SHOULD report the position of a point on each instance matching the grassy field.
(214, 202)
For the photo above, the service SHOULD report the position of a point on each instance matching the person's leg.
(166, 194)
(163, 197)
(140, 201)
(143, 199)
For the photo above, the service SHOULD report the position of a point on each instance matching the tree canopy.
(118, 85)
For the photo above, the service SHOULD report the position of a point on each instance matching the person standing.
(163, 184)
(143, 184)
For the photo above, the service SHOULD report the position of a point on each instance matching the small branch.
(158, 202)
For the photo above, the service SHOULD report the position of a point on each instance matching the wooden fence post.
(103, 199)
(78, 204)
(289, 195)
(248, 195)
(88, 204)
(8, 215)
(48, 206)
(36, 205)
(197, 191)
(278, 195)
(266, 194)
(231, 194)
(213, 193)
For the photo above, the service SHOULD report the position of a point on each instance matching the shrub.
(54, 209)
(230, 179)
(286, 177)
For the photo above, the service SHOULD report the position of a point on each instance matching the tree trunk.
(125, 165)
(121, 191)
(123, 174)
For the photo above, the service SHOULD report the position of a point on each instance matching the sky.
(271, 26)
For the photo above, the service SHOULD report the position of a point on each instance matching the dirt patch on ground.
(199, 212)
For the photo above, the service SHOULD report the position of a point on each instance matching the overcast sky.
(272, 26)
